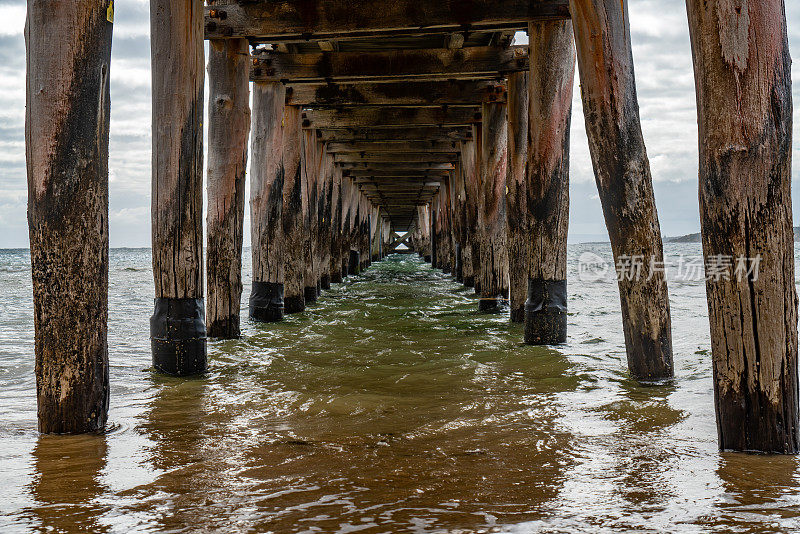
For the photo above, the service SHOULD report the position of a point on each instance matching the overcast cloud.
(666, 98)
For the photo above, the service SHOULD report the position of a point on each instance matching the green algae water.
(391, 405)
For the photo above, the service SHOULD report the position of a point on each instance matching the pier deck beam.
(292, 216)
(66, 133)
(516, 205)
(267, 179)
(744, 96)
(177, 327)
(624, 183)
(228, 132)
(547, 181)
(492, 206)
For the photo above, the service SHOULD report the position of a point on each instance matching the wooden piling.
(744, 104)
(471, 246)
(66, 139)
(310, 158)
(325, 216)
(552, 54)
(492, 206)
(267, 179)
(622, 173)
(177, 327)
(228, 132)
(336, 226)
(516, 206)
(293, 227)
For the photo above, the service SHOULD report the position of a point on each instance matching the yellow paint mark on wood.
(110, 12)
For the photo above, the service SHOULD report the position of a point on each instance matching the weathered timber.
(390, 174)
(274, 21)
(547, 187)
(390, 117)
(267, 179)
(325, 217)
(622, 173)
(228, 131)
(446, 147)
(492, 207)
(310, 163)
(293, 227)
(406, 93)
(336, 225)
(66, 141)
(177, 327)
(398, 166)
(396, 133)
(516, 208)
(744, 103)
(395, 157)
(471, 245)
(424, 64)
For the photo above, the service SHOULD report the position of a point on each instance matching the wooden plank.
(397, 166)
(407, 93)
(275, 20)
(743, 72)
(397, 173)
(228, 133)
(396, 133)
(177, 328)
(389, 117)
(67, 126)
(624, 182)
(395, 157)
(392, 147)
(426, 64)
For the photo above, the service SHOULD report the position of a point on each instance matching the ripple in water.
(391, 405)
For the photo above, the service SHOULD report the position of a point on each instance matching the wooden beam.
(390, 117)
(395, 157)
(292, 216)
(396, 133)
(274, 20)
(397, 166)
(390, 147)
(407, 93)
(397, 173)
(228, 132)
(425, 64)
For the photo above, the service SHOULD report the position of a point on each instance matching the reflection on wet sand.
(67, 483)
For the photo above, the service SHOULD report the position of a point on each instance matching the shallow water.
(389, 406)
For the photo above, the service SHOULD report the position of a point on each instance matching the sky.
(665, 85)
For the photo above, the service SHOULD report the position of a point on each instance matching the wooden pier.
(417, 123)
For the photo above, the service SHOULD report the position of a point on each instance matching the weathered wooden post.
(293, 228)
(492, 206)
(622, 173)
(469, 166)
(177, 327)
(267, 179)
(336, 226)
(347, 222)
(354, 257)
(325, 219)
(228, 132)
(516, 207)
(310, 158)
(66, 139)
(744, 106)
(552, 58)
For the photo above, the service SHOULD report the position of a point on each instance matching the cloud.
(665, 86)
